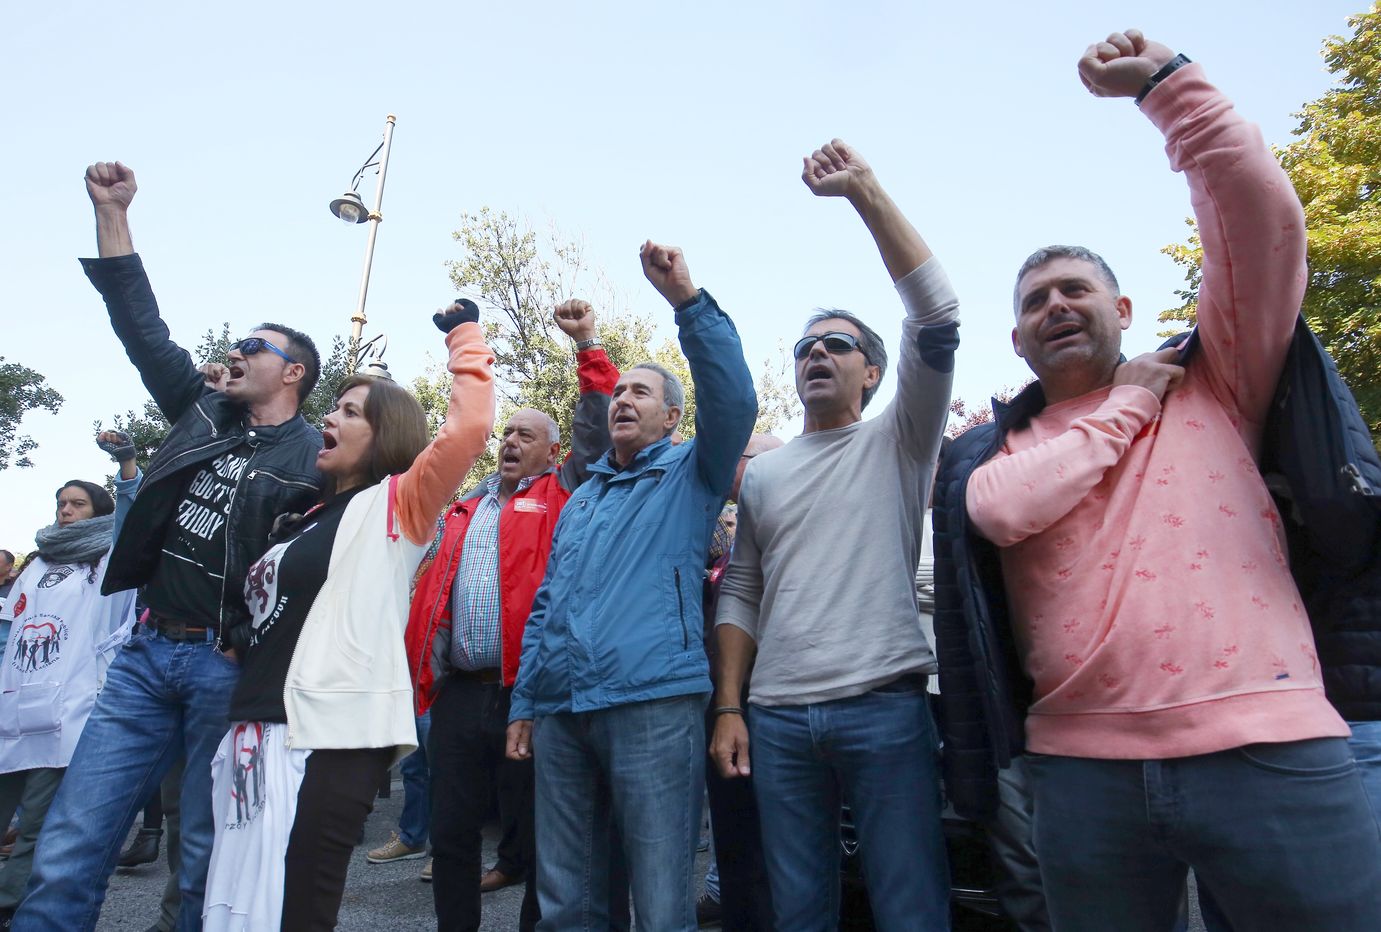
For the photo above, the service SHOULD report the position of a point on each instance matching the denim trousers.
(632, 774)
(1366, 750)
(1282, 835)
(160, 697)
(417, 814)
(879, 753)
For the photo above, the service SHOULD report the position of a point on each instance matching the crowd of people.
(1129, 685)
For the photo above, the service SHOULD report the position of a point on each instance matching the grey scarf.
(79, 542)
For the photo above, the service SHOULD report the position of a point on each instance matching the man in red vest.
(465, 631)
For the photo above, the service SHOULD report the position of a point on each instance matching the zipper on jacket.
(444, 592)
(681, 610)
(281, 481)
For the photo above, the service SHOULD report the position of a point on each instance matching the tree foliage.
(1335, 166)
(517, 279)
(966, 416)
(21, 390)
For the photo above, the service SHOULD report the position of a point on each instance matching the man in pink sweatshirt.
(1135, 572)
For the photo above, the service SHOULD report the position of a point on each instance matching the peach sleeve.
(424, 490)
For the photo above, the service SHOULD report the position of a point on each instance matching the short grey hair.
(1048, 254)
(673, 392)
(874, 350)
(553, 429)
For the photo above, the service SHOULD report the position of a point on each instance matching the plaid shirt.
(475, 609)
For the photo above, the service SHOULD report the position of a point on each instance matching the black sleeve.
(166, 368)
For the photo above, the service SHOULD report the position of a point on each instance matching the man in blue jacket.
(234, 460)
(612, 683)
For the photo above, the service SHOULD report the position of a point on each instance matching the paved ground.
(378, 897)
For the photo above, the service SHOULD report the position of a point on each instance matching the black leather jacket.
(281, 475)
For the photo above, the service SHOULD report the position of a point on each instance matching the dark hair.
(101, 502)
(301, 348)
(874, 350)
(8, 556)
(399, 426)
(1048, 254)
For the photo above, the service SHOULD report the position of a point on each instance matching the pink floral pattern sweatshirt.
(1143, 557)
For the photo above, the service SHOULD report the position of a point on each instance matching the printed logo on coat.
(54, 576)
(19, 606)
(247, 772)
(530, 505)
(39, 643)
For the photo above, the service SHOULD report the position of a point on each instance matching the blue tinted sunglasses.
(251, 345)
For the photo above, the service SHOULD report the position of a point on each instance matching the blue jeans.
(417, 809)
(880, 751)
(1280, 833)
(159, 697)
(638, 769)
(1366, 750)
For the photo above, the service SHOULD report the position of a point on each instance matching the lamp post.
(350, 208)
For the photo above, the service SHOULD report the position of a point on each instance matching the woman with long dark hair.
(324, 704)
(63, 637)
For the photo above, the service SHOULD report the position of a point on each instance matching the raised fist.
(117, 443)
(665, 267)
(576, 318)
(460, 311)
(1120, 65)
(836, 170)
(110, 184)
(214, 375)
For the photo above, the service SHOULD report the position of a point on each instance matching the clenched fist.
(110, 184)
(576, 318)
(836, 170)
(1121, 64)
(665, 267)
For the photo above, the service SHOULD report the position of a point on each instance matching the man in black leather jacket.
(238, 456)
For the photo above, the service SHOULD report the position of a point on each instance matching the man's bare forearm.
(897, 240)
(112, 233)
(736, 652)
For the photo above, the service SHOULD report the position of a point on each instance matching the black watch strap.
(1166, 70)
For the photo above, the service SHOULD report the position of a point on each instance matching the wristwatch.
(587, 344)
(1166, 70)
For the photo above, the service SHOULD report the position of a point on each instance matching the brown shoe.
(495, 879)
(427, 872)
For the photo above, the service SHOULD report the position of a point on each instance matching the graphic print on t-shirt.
(201, 514)
(247, 772)
(265, 603)
(39, 642)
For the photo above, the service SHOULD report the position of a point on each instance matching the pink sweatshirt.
(1143, 557)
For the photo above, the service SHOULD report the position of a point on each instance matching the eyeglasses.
(836, 344)
(251, 345)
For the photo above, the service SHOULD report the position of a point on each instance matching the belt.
(175, 630)
(489, 676)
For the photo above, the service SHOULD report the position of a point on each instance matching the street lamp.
(349, 207)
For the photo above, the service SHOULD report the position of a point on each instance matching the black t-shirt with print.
(187, 583)
(280, 589)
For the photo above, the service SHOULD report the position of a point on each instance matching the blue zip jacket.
(618, 616)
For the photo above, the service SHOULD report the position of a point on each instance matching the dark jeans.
(1281, 833)
(745, 899)
(336, 796)
(469, 722)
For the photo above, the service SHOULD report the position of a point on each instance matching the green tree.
(1335, 166)
(518, 279)
(21, 390)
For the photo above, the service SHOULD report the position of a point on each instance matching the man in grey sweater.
(819, 599)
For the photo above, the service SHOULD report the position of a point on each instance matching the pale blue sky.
(616, 121)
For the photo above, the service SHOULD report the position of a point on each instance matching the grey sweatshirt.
(829, 529)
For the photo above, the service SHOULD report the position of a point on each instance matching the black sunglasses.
(836, 344)
(251, 345)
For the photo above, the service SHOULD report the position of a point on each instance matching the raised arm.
(590, 427)
(427, 486)
(726, 404)
(166, 369)
(1249, 218)
(121, 449)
